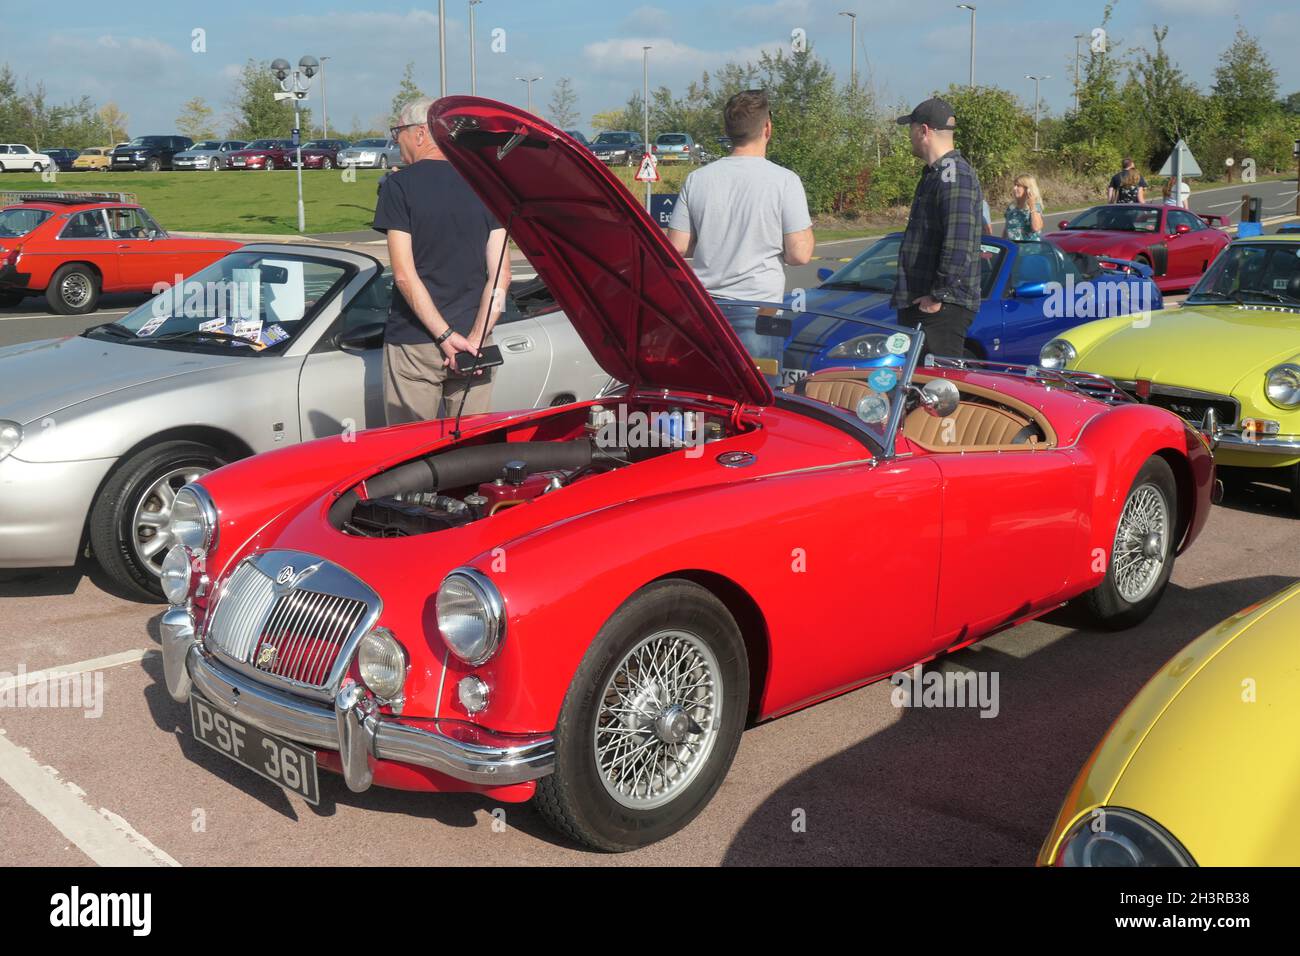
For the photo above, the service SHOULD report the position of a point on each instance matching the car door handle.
(123, 245)
(520, 343)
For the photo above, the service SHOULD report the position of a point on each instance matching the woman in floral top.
(1024, 217)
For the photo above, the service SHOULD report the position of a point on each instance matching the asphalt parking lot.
(874, 784)
(123, 780)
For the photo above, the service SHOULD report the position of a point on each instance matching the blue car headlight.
(861, 347)
(1115, 837)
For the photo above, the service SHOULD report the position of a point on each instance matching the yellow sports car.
(1202, 768)
(1230, 357)
(96, 157)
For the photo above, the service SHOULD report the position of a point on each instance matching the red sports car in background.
(320, 153)
(264, 154)
(75, 246)
(1178, 245)
(587, 604)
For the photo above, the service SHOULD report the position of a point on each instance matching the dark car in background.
(263, 154)
(150, 153)
(619, 148)
(578, 135)
(63, 158)
(321, 153)
(210, 154)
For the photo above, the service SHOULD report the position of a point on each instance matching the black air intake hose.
(467, 466)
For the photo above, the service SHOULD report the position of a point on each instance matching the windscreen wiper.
(200, 334)
(121, 331)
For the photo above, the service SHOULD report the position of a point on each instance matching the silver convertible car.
(270, 345)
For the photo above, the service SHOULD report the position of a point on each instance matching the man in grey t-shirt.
(742, 216)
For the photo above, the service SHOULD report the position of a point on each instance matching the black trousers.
(945, 330)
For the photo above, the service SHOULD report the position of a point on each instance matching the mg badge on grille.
(288, 578)
(266, 656)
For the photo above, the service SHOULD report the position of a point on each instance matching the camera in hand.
(488, 357)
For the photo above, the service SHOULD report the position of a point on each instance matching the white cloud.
(130, 46)
(615, 56)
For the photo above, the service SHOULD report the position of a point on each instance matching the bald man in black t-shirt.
(445, 247)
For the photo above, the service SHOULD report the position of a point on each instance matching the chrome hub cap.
(75, 290)
(153, 515)
(658, 719)
(1139, 553)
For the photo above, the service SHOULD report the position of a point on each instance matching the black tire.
(73, 290)
(574, 799)
(1105, 604)
(38, 167)
(383, 162)
(9, 299)
(153, 165)
(1141, 259)
(2, 167)
(113, 512)
(270, 165)
(1295, 489)
(214, 165)
(326, 163)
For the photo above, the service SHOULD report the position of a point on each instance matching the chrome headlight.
(382, 663)
(1114, 837)
(194, 518)
(471, 615)
(1057, 353)
(177, 572)
(11, 436)
(861, 347)
(1281, 384)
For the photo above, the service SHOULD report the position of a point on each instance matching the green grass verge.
(246, 201)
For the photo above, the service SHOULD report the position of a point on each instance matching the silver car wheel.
(1141, 545)
(75, 289)
(153, 515)
(658, 719)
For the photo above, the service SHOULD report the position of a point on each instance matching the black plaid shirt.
(940, 254)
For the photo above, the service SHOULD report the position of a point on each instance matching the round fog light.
(176, 574)
(382, 663)
(473, 693)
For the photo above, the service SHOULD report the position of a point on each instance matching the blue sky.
(140, 56)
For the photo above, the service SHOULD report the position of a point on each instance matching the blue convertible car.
(1032, 291)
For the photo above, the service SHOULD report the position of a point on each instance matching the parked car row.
(154, 153)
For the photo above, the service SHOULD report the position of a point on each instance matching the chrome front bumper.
(353, 726)
(1277, 445)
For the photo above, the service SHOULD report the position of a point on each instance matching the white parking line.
(97, 664)
(101, 834)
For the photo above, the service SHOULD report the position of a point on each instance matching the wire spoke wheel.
(658, 719)
(76, 289)
(1139, 554)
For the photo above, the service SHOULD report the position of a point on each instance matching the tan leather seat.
(974, 424)
(971, 426)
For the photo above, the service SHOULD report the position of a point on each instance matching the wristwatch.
(438, 340)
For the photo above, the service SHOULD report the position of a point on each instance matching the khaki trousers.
(418, 386)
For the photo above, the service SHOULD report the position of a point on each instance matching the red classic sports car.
(75, 246)
(1178, 245)
(264, 154)
(586, 604)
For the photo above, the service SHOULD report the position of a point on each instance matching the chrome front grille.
(271, 625)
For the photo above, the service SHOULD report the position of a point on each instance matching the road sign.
(661, 207)
(1186, 166)
(649, 172)
(297, 141)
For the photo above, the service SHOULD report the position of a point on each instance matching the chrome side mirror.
(940, 397)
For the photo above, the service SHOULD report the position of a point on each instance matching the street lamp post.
(442, 47)
(971, 8)
(529, 81)
(473, 65)
(1077, 38)
(294, 85)
(1036, 79)
(645, 102)
(324, 107)
(853, 47)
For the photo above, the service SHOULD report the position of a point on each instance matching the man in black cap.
(938, 286)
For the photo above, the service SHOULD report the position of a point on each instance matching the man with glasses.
(445, 248)
(938, 286)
